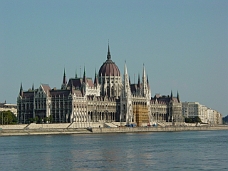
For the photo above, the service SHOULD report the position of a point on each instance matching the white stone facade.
(207, 115)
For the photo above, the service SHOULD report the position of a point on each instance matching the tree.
(31, 120)
(225, 119)
(51, 118)
(188, 120)
(7, 118)
(196, 119)
(36, 119)
(46, 119)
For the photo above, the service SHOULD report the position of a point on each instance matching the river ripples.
(193, 150)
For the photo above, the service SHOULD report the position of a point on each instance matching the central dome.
(109, 68)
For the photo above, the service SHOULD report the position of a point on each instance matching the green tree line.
(225, 119)
(196, 119)
(41, 120)
(7, 118)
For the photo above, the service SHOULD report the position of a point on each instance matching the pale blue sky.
(183, 44)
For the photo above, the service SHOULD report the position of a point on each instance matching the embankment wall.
(156, 129)
(50, 129)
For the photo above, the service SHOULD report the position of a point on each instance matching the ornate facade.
(107, 98)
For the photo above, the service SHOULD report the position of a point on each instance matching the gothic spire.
(64, 83)
(76, 76)
(95, 78)
(144, 81)
(178, 98)
(32, 86)
(171, 96)
(125, 69)
(148, 84)
(144, 72)
(84, 76)
(64, 77)
(126, 81)
(138, 80)
(21, 90)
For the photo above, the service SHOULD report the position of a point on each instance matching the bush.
(196, 119)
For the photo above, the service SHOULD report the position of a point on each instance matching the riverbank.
(159, 129)
(17, 132)
(55, 131)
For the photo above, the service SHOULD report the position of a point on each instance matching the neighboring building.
(207, 115)
(8, 107)
(107, 98)
(218, 117)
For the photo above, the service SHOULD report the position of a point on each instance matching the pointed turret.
(138, 81)
(126, 81)
(33, 87)
(178, 98)
(21, 91)
(127, 90)
(144, 82)
(125, 69)
(64, 83)
(64, 77)
(171, 96)
(144, 72)
(84, 76)
(127, 98)
(95, 79)
(148, 84)
(76, 76)
(84, 81)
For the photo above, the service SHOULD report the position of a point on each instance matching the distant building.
(8, 107)
(207, 115)
(106, 98)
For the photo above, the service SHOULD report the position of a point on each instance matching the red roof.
(109, 68)
(46, 87)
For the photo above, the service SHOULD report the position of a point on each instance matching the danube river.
(173, 151)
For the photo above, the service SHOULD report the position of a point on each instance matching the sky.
(183, 44)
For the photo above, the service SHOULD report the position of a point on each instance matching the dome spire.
(108, 55)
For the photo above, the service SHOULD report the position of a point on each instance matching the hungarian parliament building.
(107, 98)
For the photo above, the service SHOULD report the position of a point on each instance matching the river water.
(173, 151)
